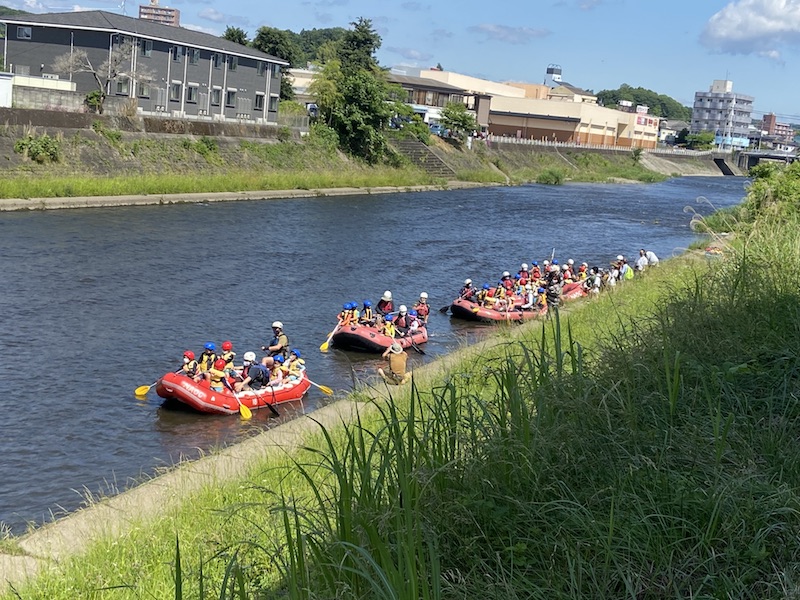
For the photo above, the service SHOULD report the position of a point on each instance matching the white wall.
(5, 89)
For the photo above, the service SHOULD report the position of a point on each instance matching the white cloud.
(200, 28)
(411, 54)
(509, 35)
(213, 15)
(760, 27)
(34, 6)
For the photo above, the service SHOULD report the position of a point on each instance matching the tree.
(280, 43)
(458, 119)
(116, 67)
(700, 141)
(680, 139)
(311, 40)
(358, 47)
(362, 115)
(236, 35)
(660, 105)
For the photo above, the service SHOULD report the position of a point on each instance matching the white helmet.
(564, 267)
(554, 268)
(528, 287)
(545, 262)
(584, 264)
(403, 309)
(506, 274)
(570, 262)
(277, 325)
(250, 356)
(387, 295)
(524, 266)
(620, 257)
(467, 281)
(423, 295)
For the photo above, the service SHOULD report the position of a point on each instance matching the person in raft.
(208, 357)
(216, 375)
(189, 367)
(228, 355)
(279, 344)
(422, 307)
(397, 357)
(385, 306)
(254, 375)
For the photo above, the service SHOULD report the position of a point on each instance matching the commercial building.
(777, 129)
(158, 68)
(724, 113)
(160, 14)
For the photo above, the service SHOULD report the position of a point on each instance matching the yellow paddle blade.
(476, 310)
(325, 390)
(142, 390)
(245, 412)
(324, 346)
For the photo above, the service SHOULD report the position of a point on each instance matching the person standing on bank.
(652, 259)
(396, 373)
(279, 344)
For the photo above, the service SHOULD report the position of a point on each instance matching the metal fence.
(497, 139)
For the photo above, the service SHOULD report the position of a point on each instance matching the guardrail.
(544, 143)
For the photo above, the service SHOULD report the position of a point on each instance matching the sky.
(675, 47)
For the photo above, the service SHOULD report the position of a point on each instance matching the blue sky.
(675, 47)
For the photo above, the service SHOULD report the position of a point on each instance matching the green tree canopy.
(660, 105)
(279, 43)
(358, 47)
(237, 35)
(458, 119)
(309, 41)
(700, 141)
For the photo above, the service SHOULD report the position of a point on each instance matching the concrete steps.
(422, 156)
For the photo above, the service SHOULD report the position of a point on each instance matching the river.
(96, 302)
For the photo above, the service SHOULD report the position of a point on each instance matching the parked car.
(437, 129)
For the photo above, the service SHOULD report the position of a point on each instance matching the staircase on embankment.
(423, 157)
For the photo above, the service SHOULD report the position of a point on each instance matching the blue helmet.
(367, 303)
(535, 263)
(486, 286)
(517, 276)
(555, 261)
(540, 290)
(210, 346)
(412, 312)
(346, 306)
(390, 318)
(296, 352)
(279, 358)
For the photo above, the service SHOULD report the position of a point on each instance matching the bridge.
(750, 158)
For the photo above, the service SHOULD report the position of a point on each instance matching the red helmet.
(227, 346)
(219, 364)
(189, 354)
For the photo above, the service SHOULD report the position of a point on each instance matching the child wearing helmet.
(385, 305)
(189, 367)
(228, 355)
(367, 315)
(216, 375)
(208, 357)
(295, 365)
(277, 372)
(422, 308)
(345, 316)
(388, 326)
(254, 375)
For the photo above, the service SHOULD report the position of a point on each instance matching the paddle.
(323, 388)
(143, 389)
(243, 410)
(324, 346)
(444, 309)
(415, 347)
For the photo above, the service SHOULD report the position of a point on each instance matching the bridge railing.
(498, 139)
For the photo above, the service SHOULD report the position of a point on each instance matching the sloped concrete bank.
(150, 199)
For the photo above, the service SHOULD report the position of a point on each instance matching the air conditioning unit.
(177, 114)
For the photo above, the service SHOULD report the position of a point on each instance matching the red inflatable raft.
(470, 311)
(570, 291)
(363, 338)
(203, 399)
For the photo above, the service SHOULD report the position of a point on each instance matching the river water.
(96, 302)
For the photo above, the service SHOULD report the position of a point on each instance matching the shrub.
(323, 137)
(550, 177)
(284, 134)
(112, 135)
(42, 149)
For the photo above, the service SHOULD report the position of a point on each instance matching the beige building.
(576, 122)
(535, 91)
(160, 14)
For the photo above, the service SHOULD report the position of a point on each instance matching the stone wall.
(63, 101)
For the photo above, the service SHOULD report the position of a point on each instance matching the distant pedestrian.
(652, 259)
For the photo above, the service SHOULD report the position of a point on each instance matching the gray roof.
(98, 20)
(424, 82)
(574, 89)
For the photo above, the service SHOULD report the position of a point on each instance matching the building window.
(273, 103)
(123, 86)
(177, 52)
(262, 69)
(216, 96)
(275, 69)
(194, 56)
(175, 92)
(147, 47)
(191, 94)
(259, 102)
(233, 62)
(143, 90)
(217, 60)
(230, 98)
(23, 33)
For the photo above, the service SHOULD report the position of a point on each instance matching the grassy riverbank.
(641, 446)
(108, 162)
